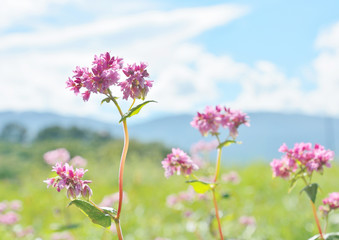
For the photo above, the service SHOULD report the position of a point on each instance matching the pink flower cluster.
(178, 162)
(135, 86)
(231, 177)
(105, 73)
(303, 156)
(61, 155)
(247, 221)
(8, 215)
(174, 200)
(332, 202)
(71, 180)
(110, 200)
(215, 117)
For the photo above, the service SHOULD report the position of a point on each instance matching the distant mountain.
(260, 141)
(35, 121)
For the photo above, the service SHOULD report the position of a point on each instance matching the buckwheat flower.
(24, 232)
(332, 201)
(313, 159)
(78, 161)
(233, 119)
(15, 205)
(103, 74)
(62, 236)
(208, 122)
(247, 221)
(203, 146)
(281, 168)
(231, 177)
(9, 218)
(3, 206)
(71, 180)
(135, 86)
(324, 210)
(178, 162)
(57, 155)
(213, 118)
(110, 200)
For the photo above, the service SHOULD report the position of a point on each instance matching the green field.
(146, 216)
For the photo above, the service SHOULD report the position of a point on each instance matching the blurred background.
(275, 60)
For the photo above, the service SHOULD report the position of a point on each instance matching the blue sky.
(280, 56)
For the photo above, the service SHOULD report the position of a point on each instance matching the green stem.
(216, 176)
(217, 167)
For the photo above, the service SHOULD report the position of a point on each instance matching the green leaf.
(97, 216)
(200, 186)
(311, 191)
(333, 237)
(105, 100)
(134, 110)
(226, 195)
(227, 143)
(110, 211)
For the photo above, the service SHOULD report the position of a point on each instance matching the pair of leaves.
(200, 186)
(102, 216)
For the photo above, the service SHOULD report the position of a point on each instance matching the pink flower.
(15, 205)
(232, 177)
(332, 201)
(313, 159)
(247, 221)
(135, 86)
(71, 180)
(78, 161)
(103, 74)
(9, 218)
(178, 162)
(110, 200)
(3, 206)
(281, 168)
(57, 155)
(203, 146)
(24, 232)
(215, 117)
(62, 236)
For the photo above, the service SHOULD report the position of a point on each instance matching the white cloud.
(41, 69)
(186, 75)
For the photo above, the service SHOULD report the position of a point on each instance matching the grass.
(146, 216)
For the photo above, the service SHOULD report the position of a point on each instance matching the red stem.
(122, 165)
(217, 215)
(317, 220)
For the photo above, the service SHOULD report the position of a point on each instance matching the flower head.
(178, 162)
(301, 155)
(57, 155)
(332, 201)
(103, 74)
(71, 180)
(135, 86)
(215, 117)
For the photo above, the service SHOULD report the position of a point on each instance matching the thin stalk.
(119, 232)
(217, 167)
(317, 220)
(216, 176)
(217, 214)
(122, 165)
